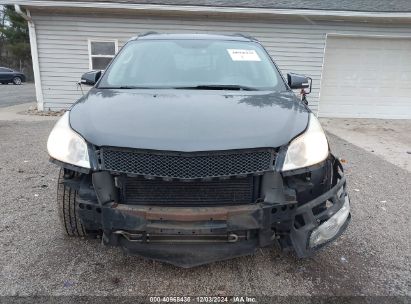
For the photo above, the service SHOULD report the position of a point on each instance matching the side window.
(2, 70)
(101, 52)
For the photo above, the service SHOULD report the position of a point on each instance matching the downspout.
(34, 56)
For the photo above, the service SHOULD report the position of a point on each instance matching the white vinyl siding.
(296, 45)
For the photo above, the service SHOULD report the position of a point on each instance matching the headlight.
(66, 145)
(308, 149)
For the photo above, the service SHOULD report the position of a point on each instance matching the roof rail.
(245, 36)
(147, 33)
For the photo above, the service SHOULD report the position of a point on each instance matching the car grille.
(196, 165)
(233, 191)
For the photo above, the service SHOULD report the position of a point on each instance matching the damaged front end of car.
(190, 221)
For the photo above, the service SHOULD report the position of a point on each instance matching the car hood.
(188, 120)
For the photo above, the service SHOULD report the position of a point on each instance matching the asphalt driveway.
(11, 94)
(371, 258)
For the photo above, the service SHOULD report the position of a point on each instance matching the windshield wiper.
(233, 87)
(125, 87)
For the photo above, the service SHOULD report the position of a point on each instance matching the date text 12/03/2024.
(204, 299)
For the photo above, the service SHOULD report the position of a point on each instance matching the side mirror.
(90, 78)
(296, 81)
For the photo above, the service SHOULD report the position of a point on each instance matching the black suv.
(193, 148)
(10, 76)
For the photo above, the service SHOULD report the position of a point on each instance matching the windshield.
(197, 64)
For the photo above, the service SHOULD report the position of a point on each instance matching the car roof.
(158, 36)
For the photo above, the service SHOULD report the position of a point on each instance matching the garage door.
(366, 77)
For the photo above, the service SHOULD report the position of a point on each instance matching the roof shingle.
(337, 5)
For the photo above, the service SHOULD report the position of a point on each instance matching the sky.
(1, 13)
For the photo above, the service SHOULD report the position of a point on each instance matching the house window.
(101, 52)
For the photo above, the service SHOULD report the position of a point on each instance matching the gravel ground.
(371, 258)
(11, 94)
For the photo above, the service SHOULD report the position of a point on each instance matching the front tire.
(66, 203)
(17, 80)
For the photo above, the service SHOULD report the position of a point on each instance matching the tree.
(2, 22)
(14, 40)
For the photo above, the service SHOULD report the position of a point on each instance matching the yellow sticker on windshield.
(243, 55)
